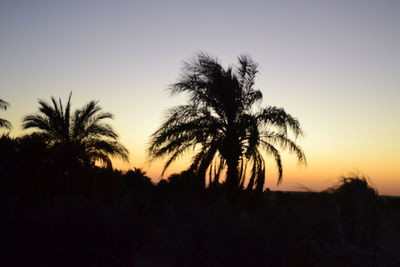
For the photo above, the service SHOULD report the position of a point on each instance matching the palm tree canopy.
(222, 125)
(4, 123)
(82, 135)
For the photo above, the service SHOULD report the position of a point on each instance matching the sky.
(335, 65)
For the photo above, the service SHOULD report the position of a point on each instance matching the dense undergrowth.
(102, 217)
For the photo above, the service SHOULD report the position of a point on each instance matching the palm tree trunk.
(232, 177)
(232, 150)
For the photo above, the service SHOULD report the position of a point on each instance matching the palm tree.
(4, 123)
(222, 126)
(81, 137)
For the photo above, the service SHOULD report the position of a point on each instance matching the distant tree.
(4, 123)
(81, 137)
(222, 125)
(138, 172)
(137, 175)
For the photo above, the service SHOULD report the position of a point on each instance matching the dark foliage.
(77, 139)
(223, 127)
(58, 208)
(4, 123)
(359, 210)
(102, 217)
(86, 215)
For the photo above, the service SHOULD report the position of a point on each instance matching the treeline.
(63, 204)
(102, 217)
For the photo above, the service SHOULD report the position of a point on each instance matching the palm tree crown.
(81, 136)
(222, 126)
(4, 123)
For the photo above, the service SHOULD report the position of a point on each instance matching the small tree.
(359, 212)
(79, 138)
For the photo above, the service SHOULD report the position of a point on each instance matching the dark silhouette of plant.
(80, 138)
(137, 180)
(359, 209)
(138, 185)
(222, 125)
(139, 172)
(4, 123)
(8, 149)
(8, 159)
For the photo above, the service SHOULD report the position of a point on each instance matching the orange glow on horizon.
(314, 177)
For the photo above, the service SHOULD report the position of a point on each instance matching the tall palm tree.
(222, 125)
(4, 123)
(80, 137)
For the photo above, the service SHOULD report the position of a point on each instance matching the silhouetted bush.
(101, 217)
(67, 231)
(359, 210)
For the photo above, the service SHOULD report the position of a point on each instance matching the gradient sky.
(333, 64)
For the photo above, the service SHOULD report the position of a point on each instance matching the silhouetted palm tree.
(222, 126)
(4, 123)
(79, 137)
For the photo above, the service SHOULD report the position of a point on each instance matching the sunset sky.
(335, 65)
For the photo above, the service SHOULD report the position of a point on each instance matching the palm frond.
(5, 124)
(4, 104)
(286, 143)
(278, 118)
(271, 150)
